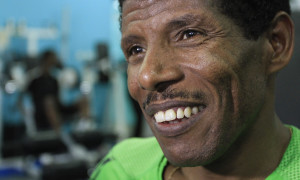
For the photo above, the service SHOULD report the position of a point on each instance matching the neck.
(255, 154)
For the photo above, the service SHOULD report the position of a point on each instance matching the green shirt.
(143, 159)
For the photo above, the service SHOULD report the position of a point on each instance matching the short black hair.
(47, 54)
(252, 16)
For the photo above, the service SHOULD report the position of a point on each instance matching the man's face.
(199, 82)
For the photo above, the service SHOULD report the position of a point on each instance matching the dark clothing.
(13, 132)
(40, 88)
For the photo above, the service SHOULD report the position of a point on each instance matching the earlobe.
(281, 39)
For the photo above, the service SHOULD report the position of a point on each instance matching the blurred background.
(63, 93)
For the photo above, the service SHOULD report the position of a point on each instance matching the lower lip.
(177, 127)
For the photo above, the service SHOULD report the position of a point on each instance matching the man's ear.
(281, 39)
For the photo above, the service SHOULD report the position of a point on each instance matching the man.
(203, 73)
(44, 89)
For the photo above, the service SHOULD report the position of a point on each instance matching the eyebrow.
(185, 20)
(131, 39)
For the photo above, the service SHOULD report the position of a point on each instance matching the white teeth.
(170, 115)
(180, 113)
(160, 116)
(195, 110)
(187, 112)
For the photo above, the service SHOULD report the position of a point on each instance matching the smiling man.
(203, 73)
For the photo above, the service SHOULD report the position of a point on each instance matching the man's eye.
(190, 33)
(135, 50)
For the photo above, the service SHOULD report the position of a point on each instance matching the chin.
(188, 157)
(197, 151)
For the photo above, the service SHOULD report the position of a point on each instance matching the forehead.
(146, 9)
(132, 5)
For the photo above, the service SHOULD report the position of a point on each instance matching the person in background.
(103, 65)
(203, 73)
(44, 89)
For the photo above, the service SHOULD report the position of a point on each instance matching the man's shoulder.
(135, 144)
(135, 151)
(131, 159)
(293, 151)
(289, 166)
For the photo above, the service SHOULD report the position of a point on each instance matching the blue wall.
(89, 20)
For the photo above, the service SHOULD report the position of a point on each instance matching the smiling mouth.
(177, 115)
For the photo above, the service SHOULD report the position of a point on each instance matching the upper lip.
(155, 107)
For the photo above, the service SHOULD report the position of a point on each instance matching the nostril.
(142, 87)
(161, 87)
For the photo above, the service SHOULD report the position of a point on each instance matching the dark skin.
(188, 47)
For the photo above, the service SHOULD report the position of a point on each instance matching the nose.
(159, 70)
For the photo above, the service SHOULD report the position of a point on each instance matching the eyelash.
(135, 50)
(186, 32)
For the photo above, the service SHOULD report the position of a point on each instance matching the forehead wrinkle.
(143, 13)
(187, 19)
(145, 9)
(133, 5)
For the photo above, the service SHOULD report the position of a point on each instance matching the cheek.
(132, 83)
